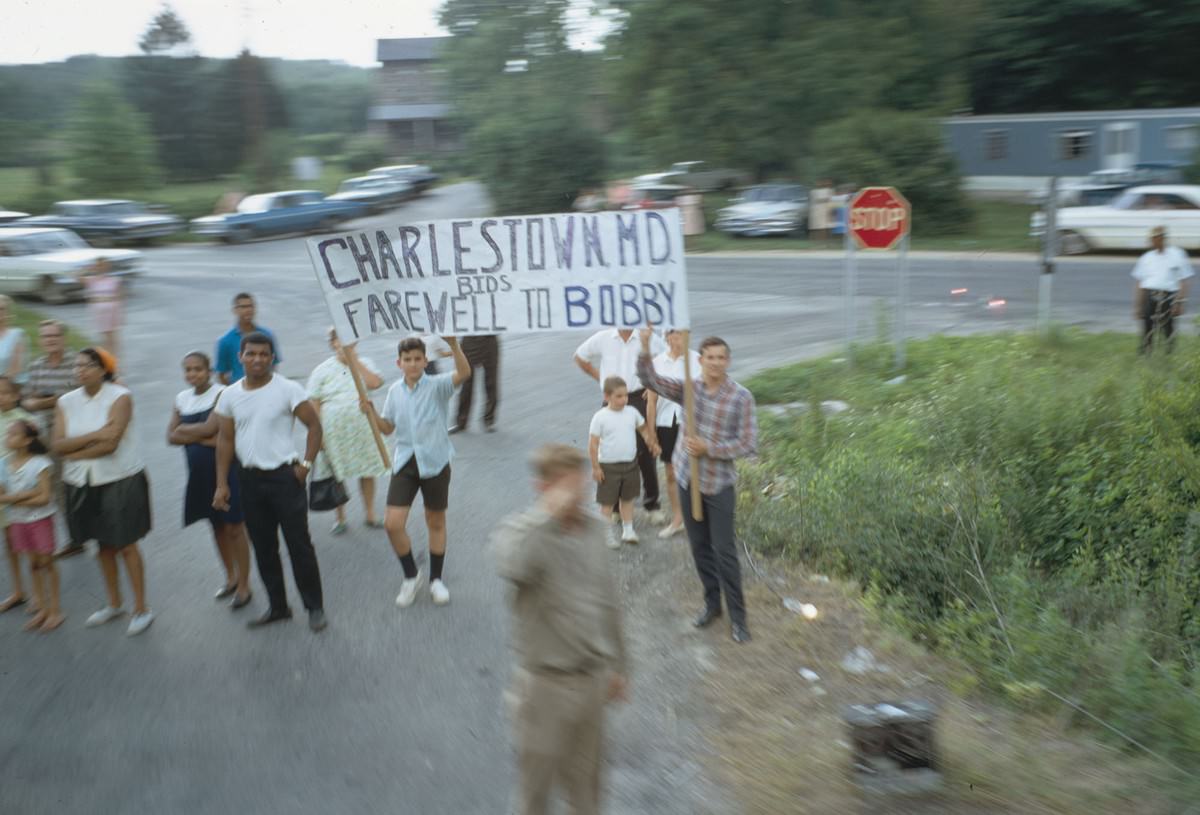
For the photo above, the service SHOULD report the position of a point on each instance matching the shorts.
(622, 482)
(667, 436)
(114, 515)
(35, 537)
(405, 485)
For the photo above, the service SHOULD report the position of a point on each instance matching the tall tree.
(166, 34)
(1085, 54)
(111, 146)
(244, 106)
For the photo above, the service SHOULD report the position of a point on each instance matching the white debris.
(861, 661)
(819, 578)
(834, 406)
(899, 380)
(810, 675)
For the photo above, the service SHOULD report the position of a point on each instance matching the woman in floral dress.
(349, 447)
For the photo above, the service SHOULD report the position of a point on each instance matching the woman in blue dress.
(192, 429)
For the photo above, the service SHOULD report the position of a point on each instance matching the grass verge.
(1024, 505)
(999, 226)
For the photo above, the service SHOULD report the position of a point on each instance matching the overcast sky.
(52, 30)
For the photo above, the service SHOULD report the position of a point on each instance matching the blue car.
(278, 213)
(106, 222)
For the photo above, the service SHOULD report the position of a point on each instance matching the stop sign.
(879, 217)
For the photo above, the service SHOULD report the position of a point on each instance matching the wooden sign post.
(356, 374)
(689, 411)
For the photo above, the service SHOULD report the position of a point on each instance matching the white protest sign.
(506, 275)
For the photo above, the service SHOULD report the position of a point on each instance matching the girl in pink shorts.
(29, 496)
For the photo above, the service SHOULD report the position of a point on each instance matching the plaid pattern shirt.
(44, 378)
(725, 420)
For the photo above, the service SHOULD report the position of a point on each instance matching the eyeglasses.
(83, 366)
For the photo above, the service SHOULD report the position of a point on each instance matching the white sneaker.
(612, 540)
(104, 615)
(670, 531)
(629, 536)
(656, 517)
(439, 593)
(139, 623)
(408, 590)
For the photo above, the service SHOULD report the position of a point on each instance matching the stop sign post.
(879, 219)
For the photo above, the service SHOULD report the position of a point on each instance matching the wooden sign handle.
(689, 412)
(356, 374)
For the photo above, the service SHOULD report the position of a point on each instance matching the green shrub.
(365, 152)
(1028, 505)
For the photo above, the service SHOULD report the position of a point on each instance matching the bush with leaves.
(1028, 505)
(902, 150)
(111, 148)
(365, 152)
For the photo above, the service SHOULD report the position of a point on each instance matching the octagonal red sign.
(879, 217)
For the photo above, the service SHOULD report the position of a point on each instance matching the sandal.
(376, 524)
(53, 621)
(13, 602)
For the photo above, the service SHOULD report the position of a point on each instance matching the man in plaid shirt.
(726, 430)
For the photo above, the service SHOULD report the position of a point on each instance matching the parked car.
(109, 221)
(654, 196)
(419, 175)
(376, 192)
(1102, 186)
(697, 175)
(766, 209)
(1125, 222)
(49, 263)
(276, 213)
(8, 215)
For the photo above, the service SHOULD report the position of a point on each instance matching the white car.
(767, 209)
(49, 263)
(9, 215)
(1126, 222)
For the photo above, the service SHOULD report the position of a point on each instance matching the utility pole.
(1049, 251)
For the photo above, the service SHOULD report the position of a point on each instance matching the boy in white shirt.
(613, 449)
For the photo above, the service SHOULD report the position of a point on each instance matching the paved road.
(389, 711)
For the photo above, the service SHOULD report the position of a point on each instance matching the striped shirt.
(45, 379)
(725, 420)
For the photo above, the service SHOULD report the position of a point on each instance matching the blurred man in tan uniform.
(567, 635)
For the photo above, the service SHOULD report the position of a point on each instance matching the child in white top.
(613, 449)
(28, 494)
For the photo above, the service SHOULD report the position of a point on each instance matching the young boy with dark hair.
(613, 449)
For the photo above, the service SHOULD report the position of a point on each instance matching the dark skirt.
(114, 515)
(202, 482)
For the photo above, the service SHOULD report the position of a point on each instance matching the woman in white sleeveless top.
(107, 495)
(12, 344)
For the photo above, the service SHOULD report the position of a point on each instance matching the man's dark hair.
(242, 295)
(411, 344)
(257, 338)
(709, 342)
(95, 357)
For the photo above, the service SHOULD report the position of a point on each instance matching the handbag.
(326, 494)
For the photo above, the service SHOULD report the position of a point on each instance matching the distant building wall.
(411, 106)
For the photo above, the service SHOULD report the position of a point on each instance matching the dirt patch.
(779, 744)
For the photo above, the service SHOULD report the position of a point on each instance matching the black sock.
(435, 566)
(409, 565)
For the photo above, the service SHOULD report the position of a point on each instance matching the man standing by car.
(229, 347)
(50, 376)
(616, 352)
(1160, 289)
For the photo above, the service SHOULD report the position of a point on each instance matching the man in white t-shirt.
(613, 438)
(614, 352)
(255, 417)
(1160, 289)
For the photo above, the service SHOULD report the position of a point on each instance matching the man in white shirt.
(255, 418)
(1160, 289)
(615, 352)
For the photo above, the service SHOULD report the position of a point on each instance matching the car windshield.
(772, 194)
(54, 241)
(1126, 200)
(254, 203)
(112, 210)
(351, 184)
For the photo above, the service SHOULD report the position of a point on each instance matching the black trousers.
(714, 550)
(1158, 318)
(274, 499)
(481, 352)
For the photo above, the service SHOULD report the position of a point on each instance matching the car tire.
(51, 293)
(1072, 243)
(239, 234)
